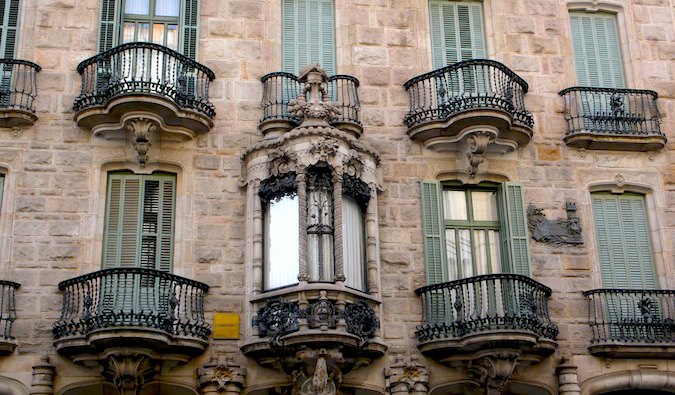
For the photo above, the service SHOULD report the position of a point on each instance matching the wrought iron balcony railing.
(7, 308)
(145, 68)
(485, 303)
(132, 297)
(632, 316)
(280, 88)
(472, 84)
(608, 111)
(18, 86)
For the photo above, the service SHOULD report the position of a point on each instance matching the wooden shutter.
(10, 23)
(434, 250)
(190, 28)
(308, 34)
(597, 51)
(108, 36)
(624, 245)
(457, 32)
(515, 235)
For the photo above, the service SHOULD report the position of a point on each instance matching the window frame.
(290, 51)
(438, 34)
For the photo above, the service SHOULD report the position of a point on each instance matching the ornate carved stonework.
(129, 371)
(317, 372)
(278, 187)
(407, 376)
(495, 370)
(354, 163)
(324, 148)
(555, 232)
(319, 109)
(478, 143)
(140, 129)
(282, 161)
(43, 377)
(221, 375)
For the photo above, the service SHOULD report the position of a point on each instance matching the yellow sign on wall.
(225, 326)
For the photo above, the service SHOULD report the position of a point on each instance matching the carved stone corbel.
(43, 377)
(316, 372)
(495, 370)
(140, 129)
(478, 143)
(407, 377)
(130, 372)
(221, 376)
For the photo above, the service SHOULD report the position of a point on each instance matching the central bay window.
(288, 218)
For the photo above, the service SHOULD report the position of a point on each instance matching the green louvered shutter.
(624, 245)
(108, 36)
(308, 34)
(515, 235)
(457, 32)
(190, 28)
(597, 51)
(434, 247)
(10, 23)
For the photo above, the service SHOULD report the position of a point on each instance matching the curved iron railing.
(490, 302)
(18, 86)
(280, 88)
(611, 111)
(123, 297)
(477, 83)
(632, 315)
(145, 68)
(7, 308)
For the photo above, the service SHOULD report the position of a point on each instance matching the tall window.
(474, 231)
(457, 32)
(597, 51)
(139, 221)
(9, 18)
(308, 35)
(171, 23)
(624, 244)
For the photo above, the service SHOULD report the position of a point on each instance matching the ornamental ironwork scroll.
(556, 232)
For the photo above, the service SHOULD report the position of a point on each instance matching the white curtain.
(319, 235)
(281, 243)
(137, 7)
(167, 7)
(354, 242)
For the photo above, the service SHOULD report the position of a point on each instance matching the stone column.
(257, 253)
(303, 273)
(568, 381)
(407, 377)
(372, 250)
(43, 377)
(221, 376)
(337, 227)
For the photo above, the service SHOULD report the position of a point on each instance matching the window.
(10, 22)
(308, 35)
(139, 221)
(624, 245)
(474, 231)
(282, 219)
(171, 23)
(597, 53)
(457, 32)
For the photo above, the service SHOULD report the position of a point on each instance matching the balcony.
(144, 81)
(280, 88)
(632, 323)
(485, 315)
(18, 88)
(616, 119)
(7, 316)
(145, 310)
(466, 98)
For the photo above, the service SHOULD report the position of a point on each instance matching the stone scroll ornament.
(555, 232)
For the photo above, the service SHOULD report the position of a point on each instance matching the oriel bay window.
(299, 234)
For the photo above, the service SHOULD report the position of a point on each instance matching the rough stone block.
(29, 204)
(520, 24)
(369, 35)
(245, 9)
(207, 162)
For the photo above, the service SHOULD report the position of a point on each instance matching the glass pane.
(281, 243)
(172, 37)
(480, 252)
(451, 247)
(454, 204)
(354, 244)
(158, 33)
(167, 7)
(320, 235)
(495, 253)
(484, 206)
(465, 253)
(143, 34)
(129, 32)
(137, 7)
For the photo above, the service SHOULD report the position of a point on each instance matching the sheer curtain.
(354, 243)
(167, 7)
(320, 235)
(281, 243)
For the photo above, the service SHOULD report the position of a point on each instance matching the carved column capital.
(407, 376)
(221, 376)
(141, 129)
(130, 372)
(568, 380)
(43, 377)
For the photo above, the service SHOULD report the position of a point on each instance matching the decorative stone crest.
(129, 372)
(281, 161)
(141, 128)
(619, 180)
(555, 232)
(221, 375)
(316, 372)
(495, 370)
(324, 148)
(407, 376)
(478, 143)
(43, 377)
(319, 109)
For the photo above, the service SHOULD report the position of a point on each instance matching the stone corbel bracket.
(221, 375)
(555, 232)
(141, 129)
(407, 376)
(478, 143)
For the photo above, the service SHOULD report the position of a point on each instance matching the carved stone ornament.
(43, 377)
(130, 372)
(140, 129)
(478, 143)
(281, 161)
(319, 109)
(555, 232)
(354, 164)
(324, 148)
(495, 370)
(407, 376)
(220, 375)
(619, 180)
(316, 372)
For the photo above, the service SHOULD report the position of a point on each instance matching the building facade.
(337, 196)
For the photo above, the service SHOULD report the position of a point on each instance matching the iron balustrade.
(478, 83)
(629, 112)
(632, 315)
(7, 308)
(145, 68)
(18, 86)
(490, 302)
(280, 88)
(132, 297)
